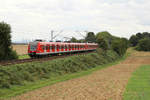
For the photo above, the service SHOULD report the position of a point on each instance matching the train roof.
(61, 43)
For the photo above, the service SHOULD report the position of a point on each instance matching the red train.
(39, 48)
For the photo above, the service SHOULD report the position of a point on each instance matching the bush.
(28, 72)
(119, 46)
(143, 45)
(102, 43)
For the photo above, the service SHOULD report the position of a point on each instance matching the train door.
(62, 47)
(57, 47)
(75, 47)
(86, 47)
(78, 47)
(47, 48)
(72, 47)
(53, 47)
(44, 48)
(66, 47)
(50, 48)
(69, 47)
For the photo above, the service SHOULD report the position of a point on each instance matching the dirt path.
(106, 84)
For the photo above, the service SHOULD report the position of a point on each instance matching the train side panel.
(46, 48)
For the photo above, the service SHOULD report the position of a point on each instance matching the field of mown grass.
(75, 89)
(138, 87)
(21, 75)
(22, 51)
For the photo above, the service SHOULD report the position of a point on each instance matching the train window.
(65, 46)
(53, 47)
(58, 47)
(47, 47)
(69, 47)
(62, 47)
(75, 46)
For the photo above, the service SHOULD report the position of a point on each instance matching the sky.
(34, 19)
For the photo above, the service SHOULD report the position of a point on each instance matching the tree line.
(106, 41)
(141, 41)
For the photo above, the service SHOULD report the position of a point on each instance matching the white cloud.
(35, 18)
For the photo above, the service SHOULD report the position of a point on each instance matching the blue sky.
(31, 19)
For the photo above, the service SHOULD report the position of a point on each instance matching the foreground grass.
(24, 56)
(138, 87)
(16, 90)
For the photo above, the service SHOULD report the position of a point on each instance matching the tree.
(6, 51)
(119, 46)
(102, 43)
(126, 41)
(73, 39)
(134, 40)
(144, 45)
(139, 35)
(105, 37)
(90, 37)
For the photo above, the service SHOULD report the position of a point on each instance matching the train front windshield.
(33, 47)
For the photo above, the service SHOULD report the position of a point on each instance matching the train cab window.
(42, 47)
(33, 47)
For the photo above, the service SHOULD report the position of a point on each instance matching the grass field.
(22, 51)
(138, 87)
(24, 56)
(15, 90)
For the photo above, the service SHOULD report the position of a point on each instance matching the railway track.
(19, 61)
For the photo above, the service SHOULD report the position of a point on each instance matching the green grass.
(16, 90)
(138, 87)
(23, 56)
